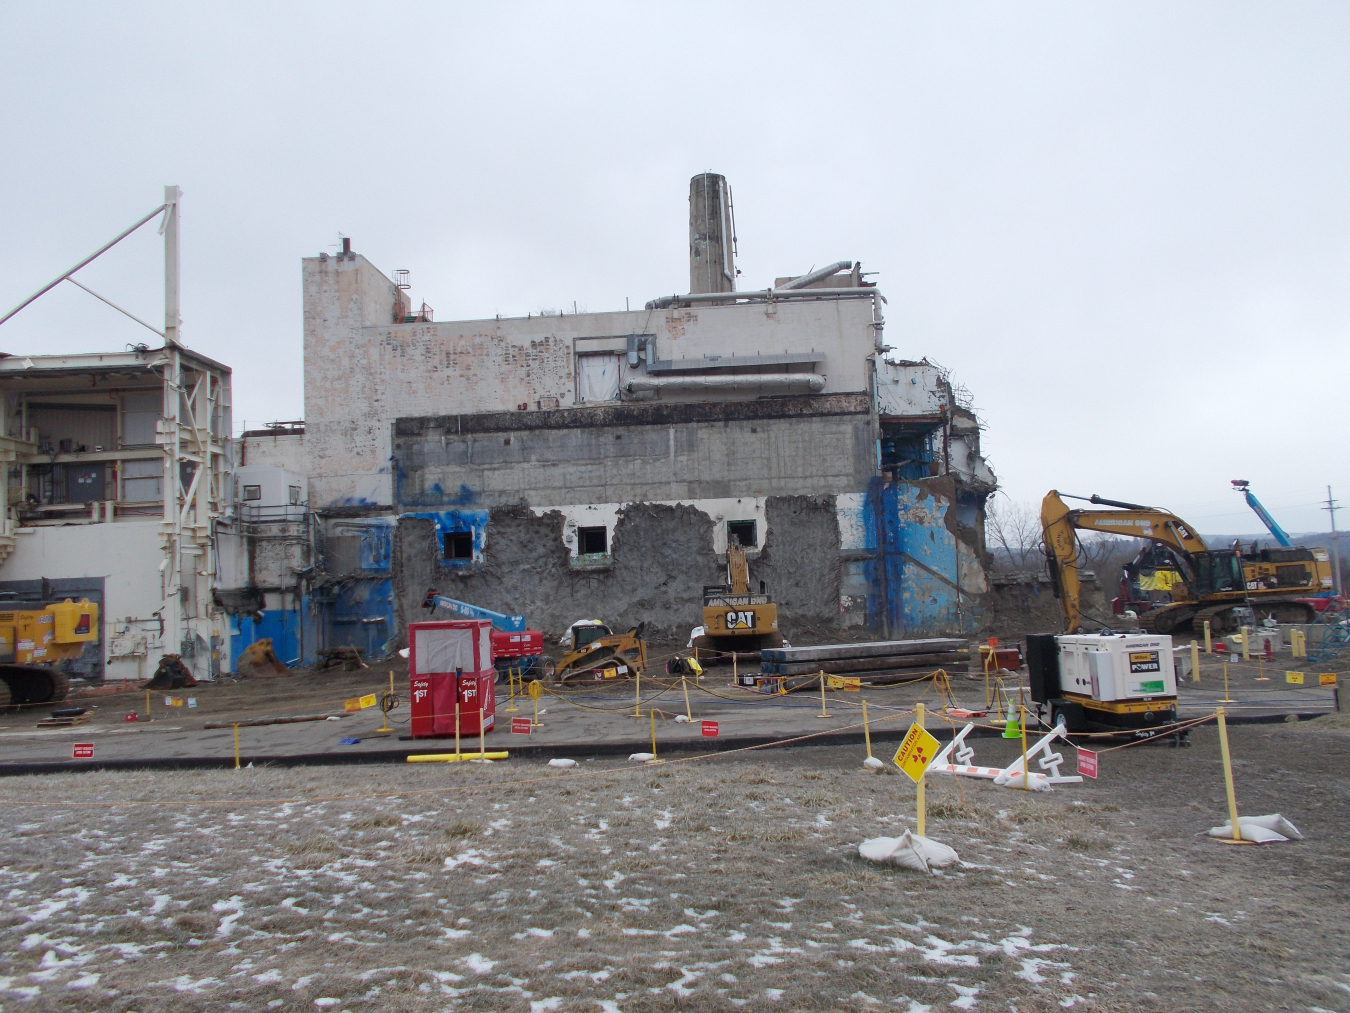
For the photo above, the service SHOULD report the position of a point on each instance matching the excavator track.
(30, 684)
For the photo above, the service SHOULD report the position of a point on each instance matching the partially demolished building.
(595, 464)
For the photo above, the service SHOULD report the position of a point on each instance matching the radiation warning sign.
(916, 752)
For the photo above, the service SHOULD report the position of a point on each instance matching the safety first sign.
(916, 752)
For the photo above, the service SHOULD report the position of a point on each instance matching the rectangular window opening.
(294, 495)
(743, 532)
(252, 492)
(591, 541)
(459, 545)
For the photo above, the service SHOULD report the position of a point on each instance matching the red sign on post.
(710, 729)
(521, 726)
(82, 751)
(1087, 762)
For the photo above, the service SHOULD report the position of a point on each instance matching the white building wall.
(127, 556)
(362, 371)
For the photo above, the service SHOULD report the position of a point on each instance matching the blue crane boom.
(1241, 485)
(499, 621)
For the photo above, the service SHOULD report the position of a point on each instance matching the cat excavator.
(1211, 584)
(734, 619)
(33, 643)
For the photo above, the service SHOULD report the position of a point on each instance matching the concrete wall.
(127, 556)
(285, 451)
(662, 556)
(786, 446)
(362, 370)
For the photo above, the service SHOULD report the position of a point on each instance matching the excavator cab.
(1218, 572)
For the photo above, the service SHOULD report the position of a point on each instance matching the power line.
(1331, 508)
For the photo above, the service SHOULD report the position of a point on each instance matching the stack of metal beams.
(874, 663)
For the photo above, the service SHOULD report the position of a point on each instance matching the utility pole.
(1331, 508)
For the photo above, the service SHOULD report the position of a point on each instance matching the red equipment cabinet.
(450, 659)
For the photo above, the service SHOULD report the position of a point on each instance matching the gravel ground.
(717, 884)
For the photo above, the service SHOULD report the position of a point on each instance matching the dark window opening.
(294, 491)
(459, 545)
(743, 532)
(592, 540)
(252, 492)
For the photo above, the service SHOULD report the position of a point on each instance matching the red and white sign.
(521, 726)
(82, 751)
(1087, 762)
(710, 729)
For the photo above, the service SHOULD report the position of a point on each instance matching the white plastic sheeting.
(909, 851)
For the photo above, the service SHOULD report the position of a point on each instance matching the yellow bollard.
(1245, 637)
(1209, 647)
(867, 731)
(1298, 643)
(1026, 774)
(922, 799)
(1261, 670)
(684, 683)
(482, 753)
(735, 675)
(653, 717)
(1228, 781)
(147, 705)
(511, 690)
(236, 747)
(637, 693)
(1226, 697)
(823, 712)
(1195, 662)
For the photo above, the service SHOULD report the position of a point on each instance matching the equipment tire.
(60, 687)
(5, 698)
(1075, 718)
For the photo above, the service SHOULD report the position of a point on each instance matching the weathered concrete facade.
(597, 464)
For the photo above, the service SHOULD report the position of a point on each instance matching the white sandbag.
(1039, 782)
(642, 757)
(909, 851)
(872, 763)
(681, 719)
(404, 653)
(1272, 829)
(562, 764)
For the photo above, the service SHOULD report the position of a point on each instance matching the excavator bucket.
(259, 659)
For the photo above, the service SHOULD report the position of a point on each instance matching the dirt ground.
(712, 884)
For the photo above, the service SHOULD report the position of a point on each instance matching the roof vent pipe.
(815, 276)
(346, 246)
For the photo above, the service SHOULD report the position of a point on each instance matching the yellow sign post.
(916, 752)
(536, 691)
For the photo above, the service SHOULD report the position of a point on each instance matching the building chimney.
(346, 246)
(712, 235)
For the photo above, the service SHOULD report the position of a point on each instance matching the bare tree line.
(1014, 538)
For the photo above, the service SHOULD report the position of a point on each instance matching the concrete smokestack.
(712, 239)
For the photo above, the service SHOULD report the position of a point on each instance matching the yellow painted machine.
(1210, 584)
(734, 619)
(597, 654)
(32, 644)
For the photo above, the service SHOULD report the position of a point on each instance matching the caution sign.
(1326, 679)
(1087, 762)
(851, 685)
(82, 751)
(1294, 678)
(709, 729)
(521, 726)
(359, 703)
(916, 752)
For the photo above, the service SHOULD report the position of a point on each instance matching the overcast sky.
(1125, 228)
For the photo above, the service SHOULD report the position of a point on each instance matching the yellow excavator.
(1210, 584)
(33, 642)
(734, 619)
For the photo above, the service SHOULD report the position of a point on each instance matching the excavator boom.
(1060, 524)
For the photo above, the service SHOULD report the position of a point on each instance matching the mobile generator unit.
(1104, 682)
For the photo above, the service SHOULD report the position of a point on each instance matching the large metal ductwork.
(756, 383)
(712, 239)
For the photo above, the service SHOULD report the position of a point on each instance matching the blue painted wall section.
(913, 571)
(284, 628)
(456, 521)
(358, 612)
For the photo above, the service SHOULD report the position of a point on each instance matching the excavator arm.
(1060, 525)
